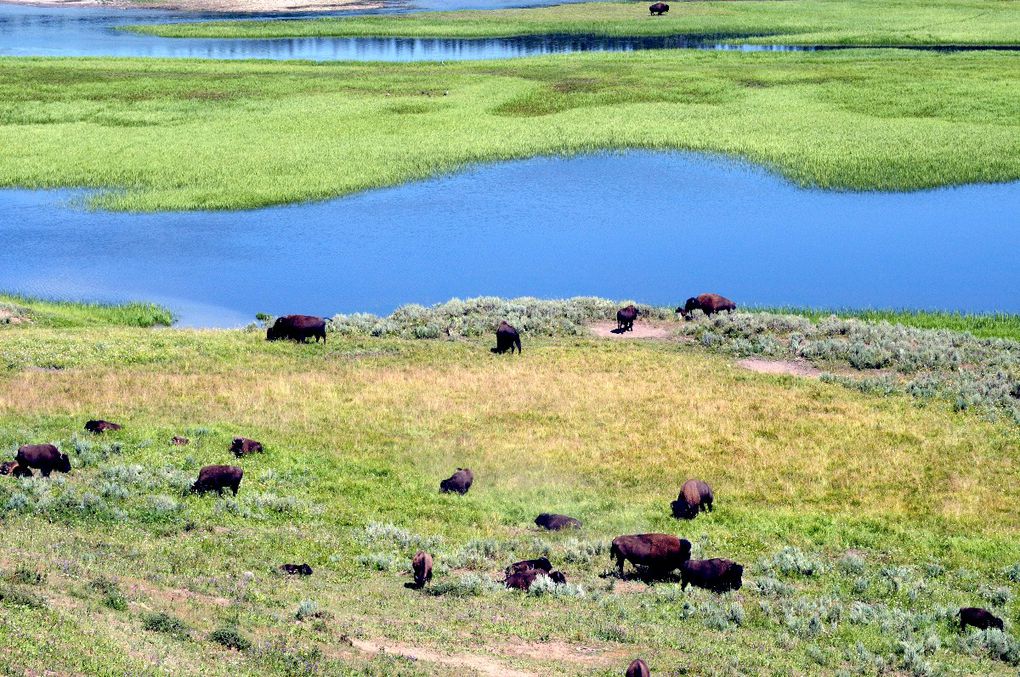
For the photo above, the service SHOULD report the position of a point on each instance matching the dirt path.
(480, 664)
(791, 367)
(260, 6)
(642, 330)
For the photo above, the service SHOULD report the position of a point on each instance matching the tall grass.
(66, 314)
(820, 22)
(198, 132)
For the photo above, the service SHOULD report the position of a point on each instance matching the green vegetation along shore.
(865, 519)
(16, 309)
(794, 22)
(180, 135)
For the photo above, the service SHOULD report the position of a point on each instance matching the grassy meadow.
(864, 520)
(177, 134)
(797, 22)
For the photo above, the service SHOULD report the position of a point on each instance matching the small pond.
(656, 227)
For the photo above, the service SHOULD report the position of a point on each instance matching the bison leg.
(619, 564)
(235, 487)
(45, 472)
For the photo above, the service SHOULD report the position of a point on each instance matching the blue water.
(649, 226)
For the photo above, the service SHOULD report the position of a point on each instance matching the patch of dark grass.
(166, 624)
(230, 636)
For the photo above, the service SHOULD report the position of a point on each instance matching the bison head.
(272, 334)
(683, 510)
(64, 463)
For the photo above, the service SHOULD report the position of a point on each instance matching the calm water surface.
(650, 226)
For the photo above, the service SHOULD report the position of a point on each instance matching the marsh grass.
(869, 120)
(69, 314)
(811, 22)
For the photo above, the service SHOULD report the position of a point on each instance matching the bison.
(506, 338)
(421, 564)
(637, 668)
(625, 318)
(296, 569)
(542, 563)
(45, 457)
(523, 580)
(658, 9)
(100, 426)
(695, 496)
(297, 328)
(982, 619)
(21, 471)
(556, 522)
(7, 467)
(660, 553)
(242, 446)
(706, 303)
(458, 482)
(217, 478)
(717, 575)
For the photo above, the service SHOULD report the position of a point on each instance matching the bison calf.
(297, 328)
(45, 457)
(695, 496)
(706, 303)
(506, 339)
(242, 446)
(557, 522)
(982, 619)
(542, 563)
(100, 426)
(421, 565)
(523, 580)
(661, 554)
(717, 575)
(458, 483)
(637, 668)
(217, 478)
(296, 569)
(625, 318)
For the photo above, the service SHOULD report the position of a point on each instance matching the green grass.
(800, 22)
(897, 512)
(16, 309)
(987, 325)
(179, 134)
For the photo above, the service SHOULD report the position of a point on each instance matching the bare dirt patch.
(642, 330)
(480, 664)
(261, 6)
(791, 367)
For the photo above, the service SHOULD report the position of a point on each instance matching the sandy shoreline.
(226, 6)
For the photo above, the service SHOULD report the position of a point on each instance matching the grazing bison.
(717, 575)
(981, 619)
(297, 328)
(658, 9)
(421, 564)
(506, 338)
(660, 553)
(523, 580)
(706, 303)
(45, 457)
(542, 563)
(637, 668)
(217, 478)
(296, 569)
(242, 446)
(557, 522)
(625, 318)
(458, 482)
(179, 441)
(695, 496)
(100, 426)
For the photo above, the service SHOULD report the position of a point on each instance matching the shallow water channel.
(656, 227)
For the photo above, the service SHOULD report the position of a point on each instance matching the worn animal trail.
(480, 664)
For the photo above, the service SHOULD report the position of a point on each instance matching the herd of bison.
(654, 556)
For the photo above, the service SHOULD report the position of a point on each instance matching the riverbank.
(791, 22)
(224, 6)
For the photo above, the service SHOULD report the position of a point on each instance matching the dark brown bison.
(242, 446)
(981, 619)
(556, 522)
(506, 338)
(45, 457)
(695, 496)
(717, 575)
(658, 9)
(660, 553)
(100, 426)
(421, 565)
(637, 668)
(7, 467)
(459, 482)
(217, 478)
(625, 318)
(706, 303)
(523, 580)
(21, 471)
(297, 328)
(542, 563)
(179, 441)
(296, 569)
